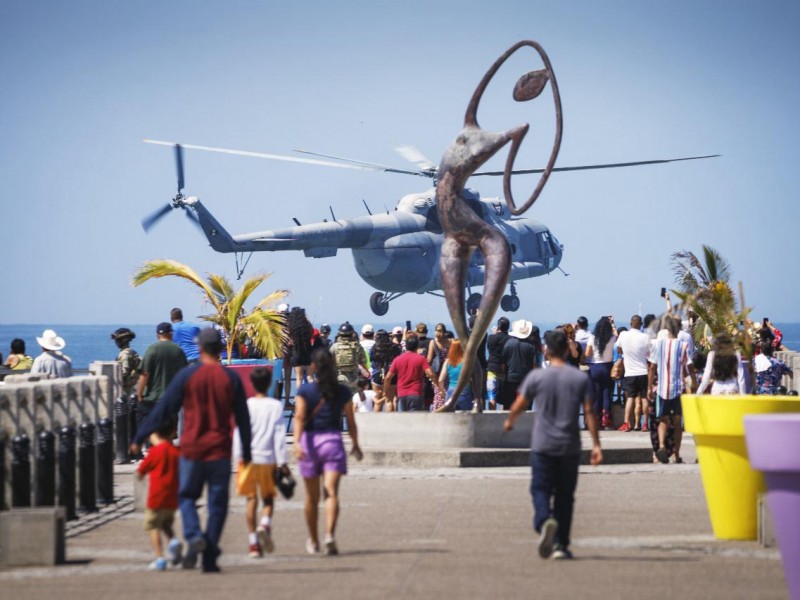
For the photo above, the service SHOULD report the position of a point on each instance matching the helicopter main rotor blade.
(367, 165)
(149, 221)
(179, 166)
(193, 218)
(607, 166)
(414, 156)
(282, 157)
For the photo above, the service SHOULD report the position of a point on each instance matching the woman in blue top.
(451, 371)
(320, 452)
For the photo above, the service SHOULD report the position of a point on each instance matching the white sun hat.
(51, 341)
(521, 329)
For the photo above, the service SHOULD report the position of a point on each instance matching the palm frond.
(221, 286)
(266, 329)
(154, 269)
(717, 267)
(236, 303)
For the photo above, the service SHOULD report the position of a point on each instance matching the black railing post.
(46, 469)
(87, 467)
(66, 471)
(3, 505)
(121, 427)
(105, 460)
(21, 470)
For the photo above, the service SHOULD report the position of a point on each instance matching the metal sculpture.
(464, 230)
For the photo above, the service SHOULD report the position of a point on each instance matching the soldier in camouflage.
(129, 359)
(349, 357)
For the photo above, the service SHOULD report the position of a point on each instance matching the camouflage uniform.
(348, 356)
(131, 369)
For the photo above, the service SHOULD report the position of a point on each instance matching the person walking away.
(300, 332)
(410, 369)
(635, 346)
(349, 357)
(319, 448)
(495, 367)
(600, 358)
(669, 362)
(52, 361)
(185, 335)
(161, 465)
(17, 359)
(268, 449)
(212, 397)
(520, 358)
(161, 362)
(559, 391)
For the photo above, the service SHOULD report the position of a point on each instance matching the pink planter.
(773, 445)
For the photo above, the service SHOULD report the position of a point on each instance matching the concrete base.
(32, 537)
(391, 431)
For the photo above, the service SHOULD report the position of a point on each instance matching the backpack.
(346, 356)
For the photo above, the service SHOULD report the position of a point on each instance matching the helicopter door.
(546, 249)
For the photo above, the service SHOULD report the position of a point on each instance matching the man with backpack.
(349, 357)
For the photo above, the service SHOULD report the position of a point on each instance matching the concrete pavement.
(639, 531)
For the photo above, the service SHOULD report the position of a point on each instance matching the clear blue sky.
(84, 82)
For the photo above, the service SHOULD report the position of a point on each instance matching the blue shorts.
(668, 407)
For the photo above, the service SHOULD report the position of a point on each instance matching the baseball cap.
(397, 330)
(367, 328)
(164, 328)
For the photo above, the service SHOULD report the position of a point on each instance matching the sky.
(84, 82)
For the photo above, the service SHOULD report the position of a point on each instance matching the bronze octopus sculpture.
(463, 229)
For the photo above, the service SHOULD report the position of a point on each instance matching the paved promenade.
(640, 531)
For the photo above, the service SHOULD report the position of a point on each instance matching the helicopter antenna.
(296, 222)
(333, 216)
(563, 271)
(367, 207)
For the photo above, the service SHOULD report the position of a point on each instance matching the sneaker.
(562, 554)
(662, 456)
(311, 547)
(644, 428)
(195, 547)
(265, 539)
(330, 546)
(175, 551)
(254, 551)
(624, 427)
(159, 564)
(210, 556)
(549, 529)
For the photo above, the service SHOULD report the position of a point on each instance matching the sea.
(89, 343)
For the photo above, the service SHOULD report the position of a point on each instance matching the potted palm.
(262, 324)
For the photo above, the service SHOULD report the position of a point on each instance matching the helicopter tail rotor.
(179, 201)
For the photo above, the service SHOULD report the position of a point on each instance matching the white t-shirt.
(608, 352)
(635, 346)
(268, 431)
(582, 337)
(367, 404)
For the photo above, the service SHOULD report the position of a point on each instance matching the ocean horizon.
(89, 343)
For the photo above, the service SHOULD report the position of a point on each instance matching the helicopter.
(396, 252)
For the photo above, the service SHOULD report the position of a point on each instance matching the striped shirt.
(671, 358)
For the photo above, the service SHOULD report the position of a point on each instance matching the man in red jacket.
(210, 396)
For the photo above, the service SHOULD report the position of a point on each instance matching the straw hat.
(521, 329)
(51, 341)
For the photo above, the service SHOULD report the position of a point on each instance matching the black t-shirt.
(520, 357)
(495, 345)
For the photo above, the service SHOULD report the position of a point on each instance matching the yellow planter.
(731, 485)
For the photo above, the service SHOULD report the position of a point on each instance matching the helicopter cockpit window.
(544, 244)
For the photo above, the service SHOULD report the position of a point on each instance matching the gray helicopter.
(395, 252)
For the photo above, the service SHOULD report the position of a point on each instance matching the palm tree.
(263, 325)
(704, 287)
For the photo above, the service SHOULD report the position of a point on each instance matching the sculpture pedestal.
(731, 485)
(773, 444)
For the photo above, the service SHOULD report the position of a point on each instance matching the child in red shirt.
(161, 463)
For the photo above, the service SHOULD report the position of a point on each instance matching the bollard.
(46, 469)
(133, 422)
(66, 471)
(20, 470)
(121, 427)
(3, 505)
(105, 460)
(87, 468)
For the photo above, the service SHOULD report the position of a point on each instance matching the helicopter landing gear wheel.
(509, 303)
(473, 302)
(379, 304)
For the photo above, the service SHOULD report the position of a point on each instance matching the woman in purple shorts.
(320, 451)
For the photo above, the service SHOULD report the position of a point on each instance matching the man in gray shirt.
(559, 392)
(52, 361)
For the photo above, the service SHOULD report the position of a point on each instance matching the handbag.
(618, 369)
(285, 483)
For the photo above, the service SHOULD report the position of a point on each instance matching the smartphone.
(663, 292)
(766, 320)
(408, 325)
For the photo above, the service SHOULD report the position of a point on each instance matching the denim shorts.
(324, 451)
